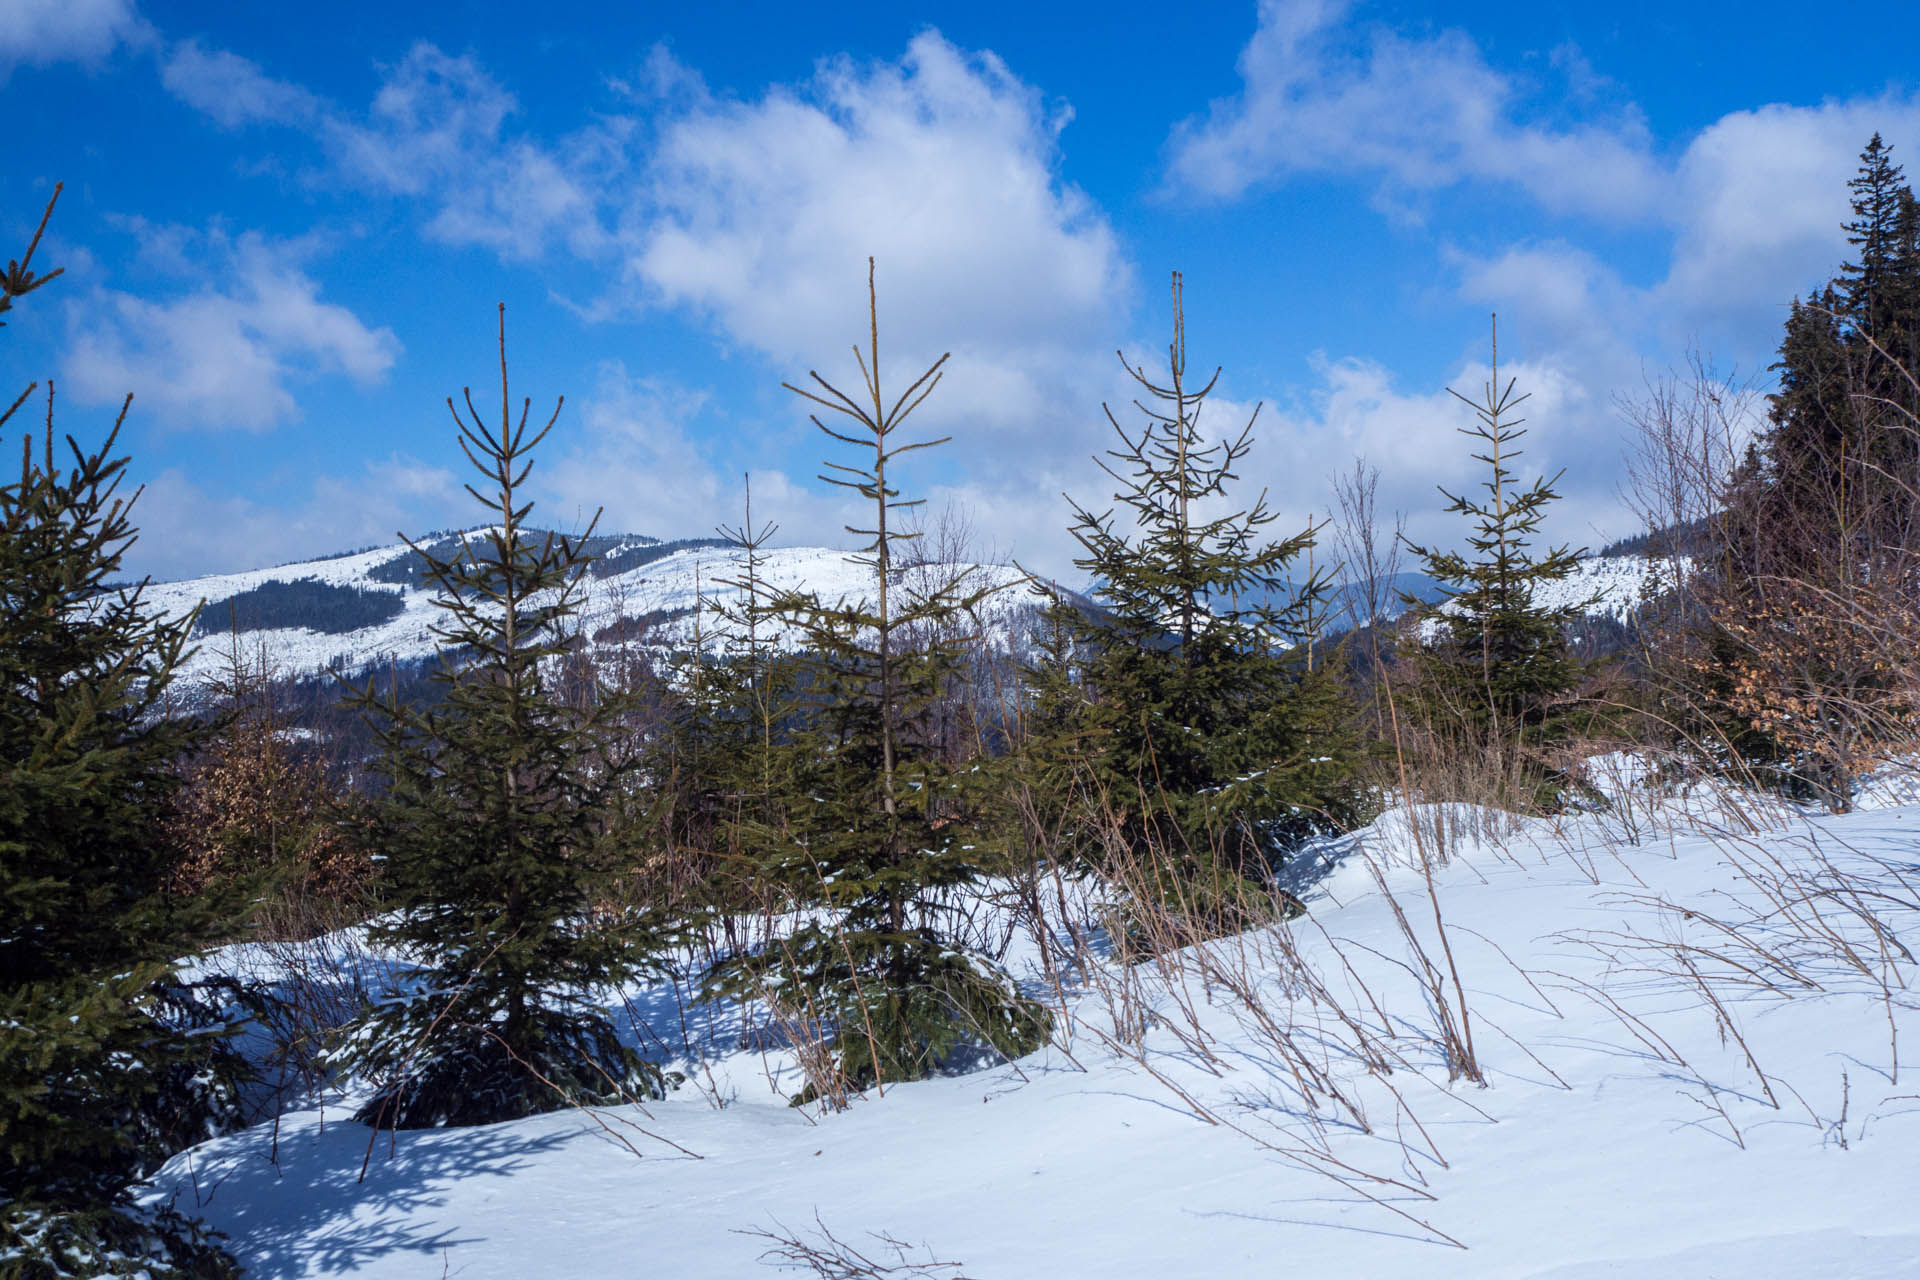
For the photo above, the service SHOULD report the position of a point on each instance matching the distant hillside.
(372, 608)
(1613, 587)
(1682, 539)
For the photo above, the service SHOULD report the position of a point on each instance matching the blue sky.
(285, 229)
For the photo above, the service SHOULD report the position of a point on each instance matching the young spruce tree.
(494, 830)
(100, 1077)
(1209, 735)
(714, 765)
(867, 856)
(1496, 669)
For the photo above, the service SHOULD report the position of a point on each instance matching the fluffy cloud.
(759, 216)
(1357, 409)
(226, 355)
(1742, 217)
(943, 166)
(629, 448)
(1762, 194)
(756, 218)
(438, 131)
(42, 32)
(1415, 113)
(1750, 207)
(756, 215)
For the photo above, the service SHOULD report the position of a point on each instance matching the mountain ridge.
(351, 611)
(354, 611)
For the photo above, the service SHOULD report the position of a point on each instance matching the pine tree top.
(1500, 573)
(1877, 194)
(1165, 560)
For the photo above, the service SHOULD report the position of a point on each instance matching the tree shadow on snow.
(313, 1214)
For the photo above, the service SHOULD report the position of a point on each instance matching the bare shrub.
(260, 808)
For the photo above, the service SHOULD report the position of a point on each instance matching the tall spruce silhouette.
(1813, 561)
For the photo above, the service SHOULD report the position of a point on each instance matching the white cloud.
(185, 530)
(757, 217)
(438, 131)
(43, 32)
(1760, 197)
(1741, 218)
(1413, 436)
(1417, 113)
(943, 166)
(1751, 205)
(628, 446)
(233, 90)
(226, 355)
(1763, 194)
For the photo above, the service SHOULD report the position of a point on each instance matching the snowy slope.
(1601, 586)
(664, 590)
(1614, 587)
(1630, 1126)
(1610, 586)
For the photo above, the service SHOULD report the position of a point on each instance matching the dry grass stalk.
(832, 1258)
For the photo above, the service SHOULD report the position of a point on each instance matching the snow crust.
(1626, 1128)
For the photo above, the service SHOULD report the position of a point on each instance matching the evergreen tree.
(866, 854)
(1876, 305)
(1498, 669)
(717, 766)
(1813, 560)
(1034, 798)
(1866, 287)
(495, 832)
(101, 1077)
(1051, 731)
(1209, 736)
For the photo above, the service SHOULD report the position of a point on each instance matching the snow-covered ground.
(1693, 1019)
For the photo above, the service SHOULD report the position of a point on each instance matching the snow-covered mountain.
(1603, 586)
(363, 609)
(1611, 586)
(360, 610)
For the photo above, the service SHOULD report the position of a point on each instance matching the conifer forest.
(1211, 885)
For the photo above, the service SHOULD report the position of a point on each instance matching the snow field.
(1689, 1044)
